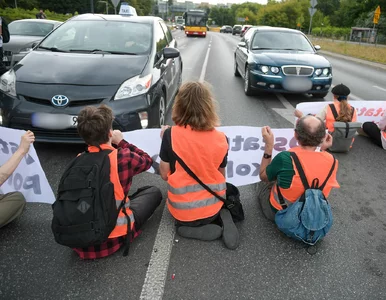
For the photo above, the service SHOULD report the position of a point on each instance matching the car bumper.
(290, 84)
(51, 124)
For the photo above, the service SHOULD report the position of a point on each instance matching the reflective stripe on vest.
(196, 188)
(193, 204)
(121, 226)
(275, 197)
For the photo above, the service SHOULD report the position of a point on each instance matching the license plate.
(295, 84)
(54, 121)
(195, 33)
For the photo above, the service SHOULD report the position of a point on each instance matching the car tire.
(236, 71)
(319, 95)
(160, 108)
(247, 83)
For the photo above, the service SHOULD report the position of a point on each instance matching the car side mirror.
(242, 44)
(170, 53)
(317, 47)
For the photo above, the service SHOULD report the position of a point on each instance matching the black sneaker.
(207, 232)
(230, 234)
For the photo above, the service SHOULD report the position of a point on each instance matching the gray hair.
(308, 136)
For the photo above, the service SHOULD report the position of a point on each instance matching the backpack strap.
(347, 129)
(334, 112)
(300, 170)
(329, 174)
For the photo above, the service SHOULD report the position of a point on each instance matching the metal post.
(15, 3)
(309, 29)
(92, 6)
(115, 10)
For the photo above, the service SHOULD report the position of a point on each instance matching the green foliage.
(12, 14)
(332, 32)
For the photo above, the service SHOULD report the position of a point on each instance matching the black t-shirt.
(166, 152)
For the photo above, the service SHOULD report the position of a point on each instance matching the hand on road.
(163, 128)
(268, 136)
(327, 143)
(26, 140)
(298, 113)
(117, 137)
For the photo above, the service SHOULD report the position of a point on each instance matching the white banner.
(367, 111)
(245, 149)
(29, 177)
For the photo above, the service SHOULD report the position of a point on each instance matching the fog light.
(272, 86)
(261, 83)
(318, 87)
(327, 86)
(144, 120)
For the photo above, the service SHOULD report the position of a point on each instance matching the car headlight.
(8, 83)
(26, 49)
(264, 69)
(133, 87)
(275, 70)
(326, 71)
(318, 72)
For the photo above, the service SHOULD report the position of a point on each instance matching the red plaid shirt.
(131, 161)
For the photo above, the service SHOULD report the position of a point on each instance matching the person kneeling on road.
(84, 192)
(12, 204)
(281, 183)
(194, 141)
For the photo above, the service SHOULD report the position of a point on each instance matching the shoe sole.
(230, 234)
(208, 232)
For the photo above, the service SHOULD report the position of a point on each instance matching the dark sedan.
(24, 35)
(236, 29)
(129, 63)
(226, 29)
(281, 60)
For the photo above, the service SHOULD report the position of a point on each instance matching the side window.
(168, 34)
(160, 40)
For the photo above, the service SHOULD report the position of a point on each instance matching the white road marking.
(377, 87)
(204, 66)
(154, 284)
(284, 101)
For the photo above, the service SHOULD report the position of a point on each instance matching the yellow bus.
(195, 22)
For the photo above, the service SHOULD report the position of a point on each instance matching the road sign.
(115, 2)
(377, 15)
(240, 19)
(314, 3)
(312, 11)
(246, 19)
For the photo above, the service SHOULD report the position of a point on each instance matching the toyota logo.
(60, 100)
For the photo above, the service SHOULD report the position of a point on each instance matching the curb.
(356, 60)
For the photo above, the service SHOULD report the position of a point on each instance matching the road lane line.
(204, 66)
(155, 279)
(377, 87)
(284, 101)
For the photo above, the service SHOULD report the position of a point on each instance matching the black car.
(236, 29)
(273, 59)
(226, 29)
(131, 64)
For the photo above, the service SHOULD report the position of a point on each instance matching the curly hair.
(195, 106)
(308, 135)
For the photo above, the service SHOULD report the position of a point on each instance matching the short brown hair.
(94, 124)
(195, 106)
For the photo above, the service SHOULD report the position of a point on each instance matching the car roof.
(277, 29)
(38, 21)
(101, 17)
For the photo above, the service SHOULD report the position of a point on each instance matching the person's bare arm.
(269, 139)
(164, 170)
(10, 166)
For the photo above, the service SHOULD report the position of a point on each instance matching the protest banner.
(29, 177)
(367, 111)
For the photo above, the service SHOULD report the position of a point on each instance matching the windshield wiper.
(99, 51)
(53, 49)
(263, 48)
(293, 49)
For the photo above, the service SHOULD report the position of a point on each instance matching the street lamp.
(107, 6)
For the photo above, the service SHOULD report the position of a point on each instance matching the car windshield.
(30, 28)
(116, 37)
(277, 40)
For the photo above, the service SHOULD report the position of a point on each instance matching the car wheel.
(236, 71)
(161, 110)
(321, 95)
(247, 83)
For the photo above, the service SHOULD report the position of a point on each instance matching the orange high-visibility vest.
(315, 165)
(330, 119)
(121, 227)
(203, 152)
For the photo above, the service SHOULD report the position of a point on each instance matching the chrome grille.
(72, 102)
(297, 70)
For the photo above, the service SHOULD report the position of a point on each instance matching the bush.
(12, 14)
(331, 32)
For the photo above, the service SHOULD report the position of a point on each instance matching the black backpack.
(5, 31)
(85, 210)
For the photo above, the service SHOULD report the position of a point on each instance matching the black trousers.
(143, 203)
(372, 130)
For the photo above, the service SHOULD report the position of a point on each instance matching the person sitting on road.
(198, 213)
(279, 173)
(345, 112)
(12, 204)
(95, 128)
(377, 133)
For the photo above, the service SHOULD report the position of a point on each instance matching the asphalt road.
(350, 262)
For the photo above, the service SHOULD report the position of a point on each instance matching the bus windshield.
(195, 19)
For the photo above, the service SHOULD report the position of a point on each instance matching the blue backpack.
(310, 217)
